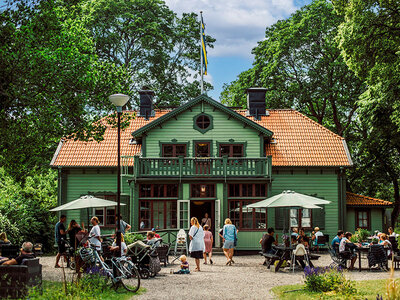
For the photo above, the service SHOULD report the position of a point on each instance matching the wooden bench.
(17, 279)
(269, 258)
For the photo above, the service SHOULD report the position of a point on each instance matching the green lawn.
(53, 290)
(366, 289)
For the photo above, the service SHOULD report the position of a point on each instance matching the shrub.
(327, 279)
(133, 237)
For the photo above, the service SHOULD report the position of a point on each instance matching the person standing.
(73, 229)
(95, 233)
(60, 236)
(123, 225)
(206, 221)
(230, 237)
(196, 247)
(208, 241)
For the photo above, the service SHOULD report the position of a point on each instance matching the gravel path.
(246, 279)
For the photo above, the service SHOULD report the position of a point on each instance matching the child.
(184, 266)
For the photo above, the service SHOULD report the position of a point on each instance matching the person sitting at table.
(267, 241)
(391, 232)
(152, 239)
(3, 239)
(294, 234)
(384, 241)
(336, 240)
(302, 238)
(315, 234)
(346, 249)
(26, 253)
(124, 248)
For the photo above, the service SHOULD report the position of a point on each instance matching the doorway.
(198, 208)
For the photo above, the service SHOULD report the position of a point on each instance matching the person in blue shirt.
(229, 234)
(336, 240)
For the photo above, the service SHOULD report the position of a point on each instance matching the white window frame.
(179, 210)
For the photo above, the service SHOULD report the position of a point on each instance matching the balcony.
(185, 167)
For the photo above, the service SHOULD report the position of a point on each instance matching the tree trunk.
(396, 204)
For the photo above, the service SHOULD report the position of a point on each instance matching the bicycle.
(127, 273)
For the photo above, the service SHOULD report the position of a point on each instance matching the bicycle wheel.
(130, 278)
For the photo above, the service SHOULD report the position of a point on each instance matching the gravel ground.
(246, 279)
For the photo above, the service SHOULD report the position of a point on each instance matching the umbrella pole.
(87, 212)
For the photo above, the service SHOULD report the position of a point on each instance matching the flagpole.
(201, 53)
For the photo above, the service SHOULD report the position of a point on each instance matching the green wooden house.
(204, 157)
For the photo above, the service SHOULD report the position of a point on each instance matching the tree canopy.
(60, 60)
(300, 65)
(369, 38)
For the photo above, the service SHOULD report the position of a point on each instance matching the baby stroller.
(145, 258)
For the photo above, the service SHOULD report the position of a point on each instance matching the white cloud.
(237, 25)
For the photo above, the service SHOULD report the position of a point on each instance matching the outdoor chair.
(269, 258)
(377, 256)
(322, 241)
(163, 252)
(16, 279)
(336, 259)
(10, 251)
(394, 243)
(299, 253)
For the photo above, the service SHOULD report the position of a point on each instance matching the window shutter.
(318, 217)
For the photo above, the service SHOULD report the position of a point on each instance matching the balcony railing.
(184, 167)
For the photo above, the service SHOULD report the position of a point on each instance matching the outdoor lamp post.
(119, 100)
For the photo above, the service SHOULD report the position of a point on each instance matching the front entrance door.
(198, 208)
(202, 150)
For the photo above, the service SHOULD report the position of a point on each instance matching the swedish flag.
(203, 47)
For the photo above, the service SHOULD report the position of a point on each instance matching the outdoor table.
(285, 253)
(361, 250)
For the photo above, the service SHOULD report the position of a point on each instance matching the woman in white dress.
(197, 246)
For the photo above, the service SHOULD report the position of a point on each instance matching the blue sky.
(237, 26)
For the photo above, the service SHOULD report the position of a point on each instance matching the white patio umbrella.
(290, 199)
(87, 202)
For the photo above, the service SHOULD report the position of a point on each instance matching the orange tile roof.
(300, 141)
(297, 141)
(360, 200)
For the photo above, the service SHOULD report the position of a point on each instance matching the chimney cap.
(146, 92)
(256, 89)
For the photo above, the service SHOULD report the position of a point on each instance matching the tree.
(155, 46)
(369, 38)
(299, 63)
(24, 207)
(52, 82)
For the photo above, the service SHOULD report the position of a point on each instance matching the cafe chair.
(299, 253)
(377, 256)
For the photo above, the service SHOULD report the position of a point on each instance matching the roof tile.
(360, 200)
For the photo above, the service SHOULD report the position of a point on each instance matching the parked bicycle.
(126, 273)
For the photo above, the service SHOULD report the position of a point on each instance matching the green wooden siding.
(322, 183)
(376, 219)
(182, 131)
(90, 181)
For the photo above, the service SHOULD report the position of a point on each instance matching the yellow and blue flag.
(203, 46)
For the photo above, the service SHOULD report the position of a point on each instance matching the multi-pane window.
(300, 218)
(173, 150)
(106, 216)
(158, 191)
(202, 191)
(231, 150)
(362, 219)
(247, 190)
(158, 214)
(247, 218)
